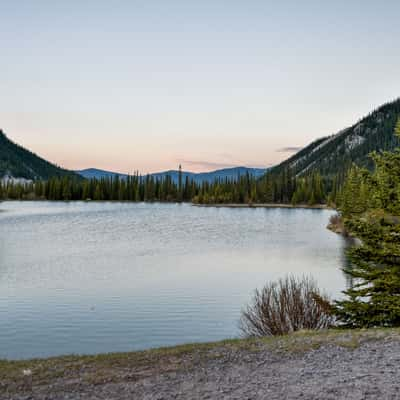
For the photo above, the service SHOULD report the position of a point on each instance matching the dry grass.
(116, 367)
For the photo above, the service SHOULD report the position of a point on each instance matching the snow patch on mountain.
(353, 141)
(8, 179)
(317, 148)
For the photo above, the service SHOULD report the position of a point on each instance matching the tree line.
(283, 188)
(246, 189)
(133, 188)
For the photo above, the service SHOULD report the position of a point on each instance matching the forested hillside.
(316, 173)
(334, 154)
(17, 162)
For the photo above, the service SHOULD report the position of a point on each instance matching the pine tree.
(98, 194)
(180, 188)
(375, 264)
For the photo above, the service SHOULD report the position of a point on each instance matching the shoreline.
(215, 205)
(305, 363)
(266, 205)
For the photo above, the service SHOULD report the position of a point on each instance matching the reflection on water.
(346, 263)
(100, 277)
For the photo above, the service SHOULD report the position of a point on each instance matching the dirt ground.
(330, 365)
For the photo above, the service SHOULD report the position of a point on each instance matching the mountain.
(220, 174)
(227, 173)
(17, 162)
(94, 173)
(333, 154)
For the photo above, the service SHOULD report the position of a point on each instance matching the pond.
(105, 277)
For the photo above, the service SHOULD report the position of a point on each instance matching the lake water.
(106, 277)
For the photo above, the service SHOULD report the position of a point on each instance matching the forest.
(281, 188)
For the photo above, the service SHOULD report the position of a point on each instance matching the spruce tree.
(180, 188)
(374, 300)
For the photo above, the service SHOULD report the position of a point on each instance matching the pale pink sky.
(149, 85)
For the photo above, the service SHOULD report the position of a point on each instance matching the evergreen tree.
(375, 264)
(180, 188)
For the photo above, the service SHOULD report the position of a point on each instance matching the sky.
(148, 85)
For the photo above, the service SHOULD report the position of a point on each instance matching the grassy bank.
(117, 367)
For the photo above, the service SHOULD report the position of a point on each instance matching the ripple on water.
(99, 277)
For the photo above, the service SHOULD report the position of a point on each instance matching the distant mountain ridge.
(221, 174)
(18, 162)
(95, 173)
(333, 154)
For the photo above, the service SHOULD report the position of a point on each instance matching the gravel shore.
(330, 365)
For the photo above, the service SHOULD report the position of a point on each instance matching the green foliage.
(370, 205)
(134, 188)
(397, 129)
(272, 188)
(354, 194)
(282, 188)
(309, 190)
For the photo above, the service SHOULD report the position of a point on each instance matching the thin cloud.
(206, 164)
(289, 149)
(211, 165)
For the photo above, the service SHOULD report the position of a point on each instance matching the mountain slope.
(95, 173)
(333, 154)
(17, 162)
(227, 173)
(220, 174)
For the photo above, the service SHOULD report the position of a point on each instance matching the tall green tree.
(374, 300)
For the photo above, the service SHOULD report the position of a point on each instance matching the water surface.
(104, 277)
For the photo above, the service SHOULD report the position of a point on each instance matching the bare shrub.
(335, 219)
(336, 225)
(285, 306)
